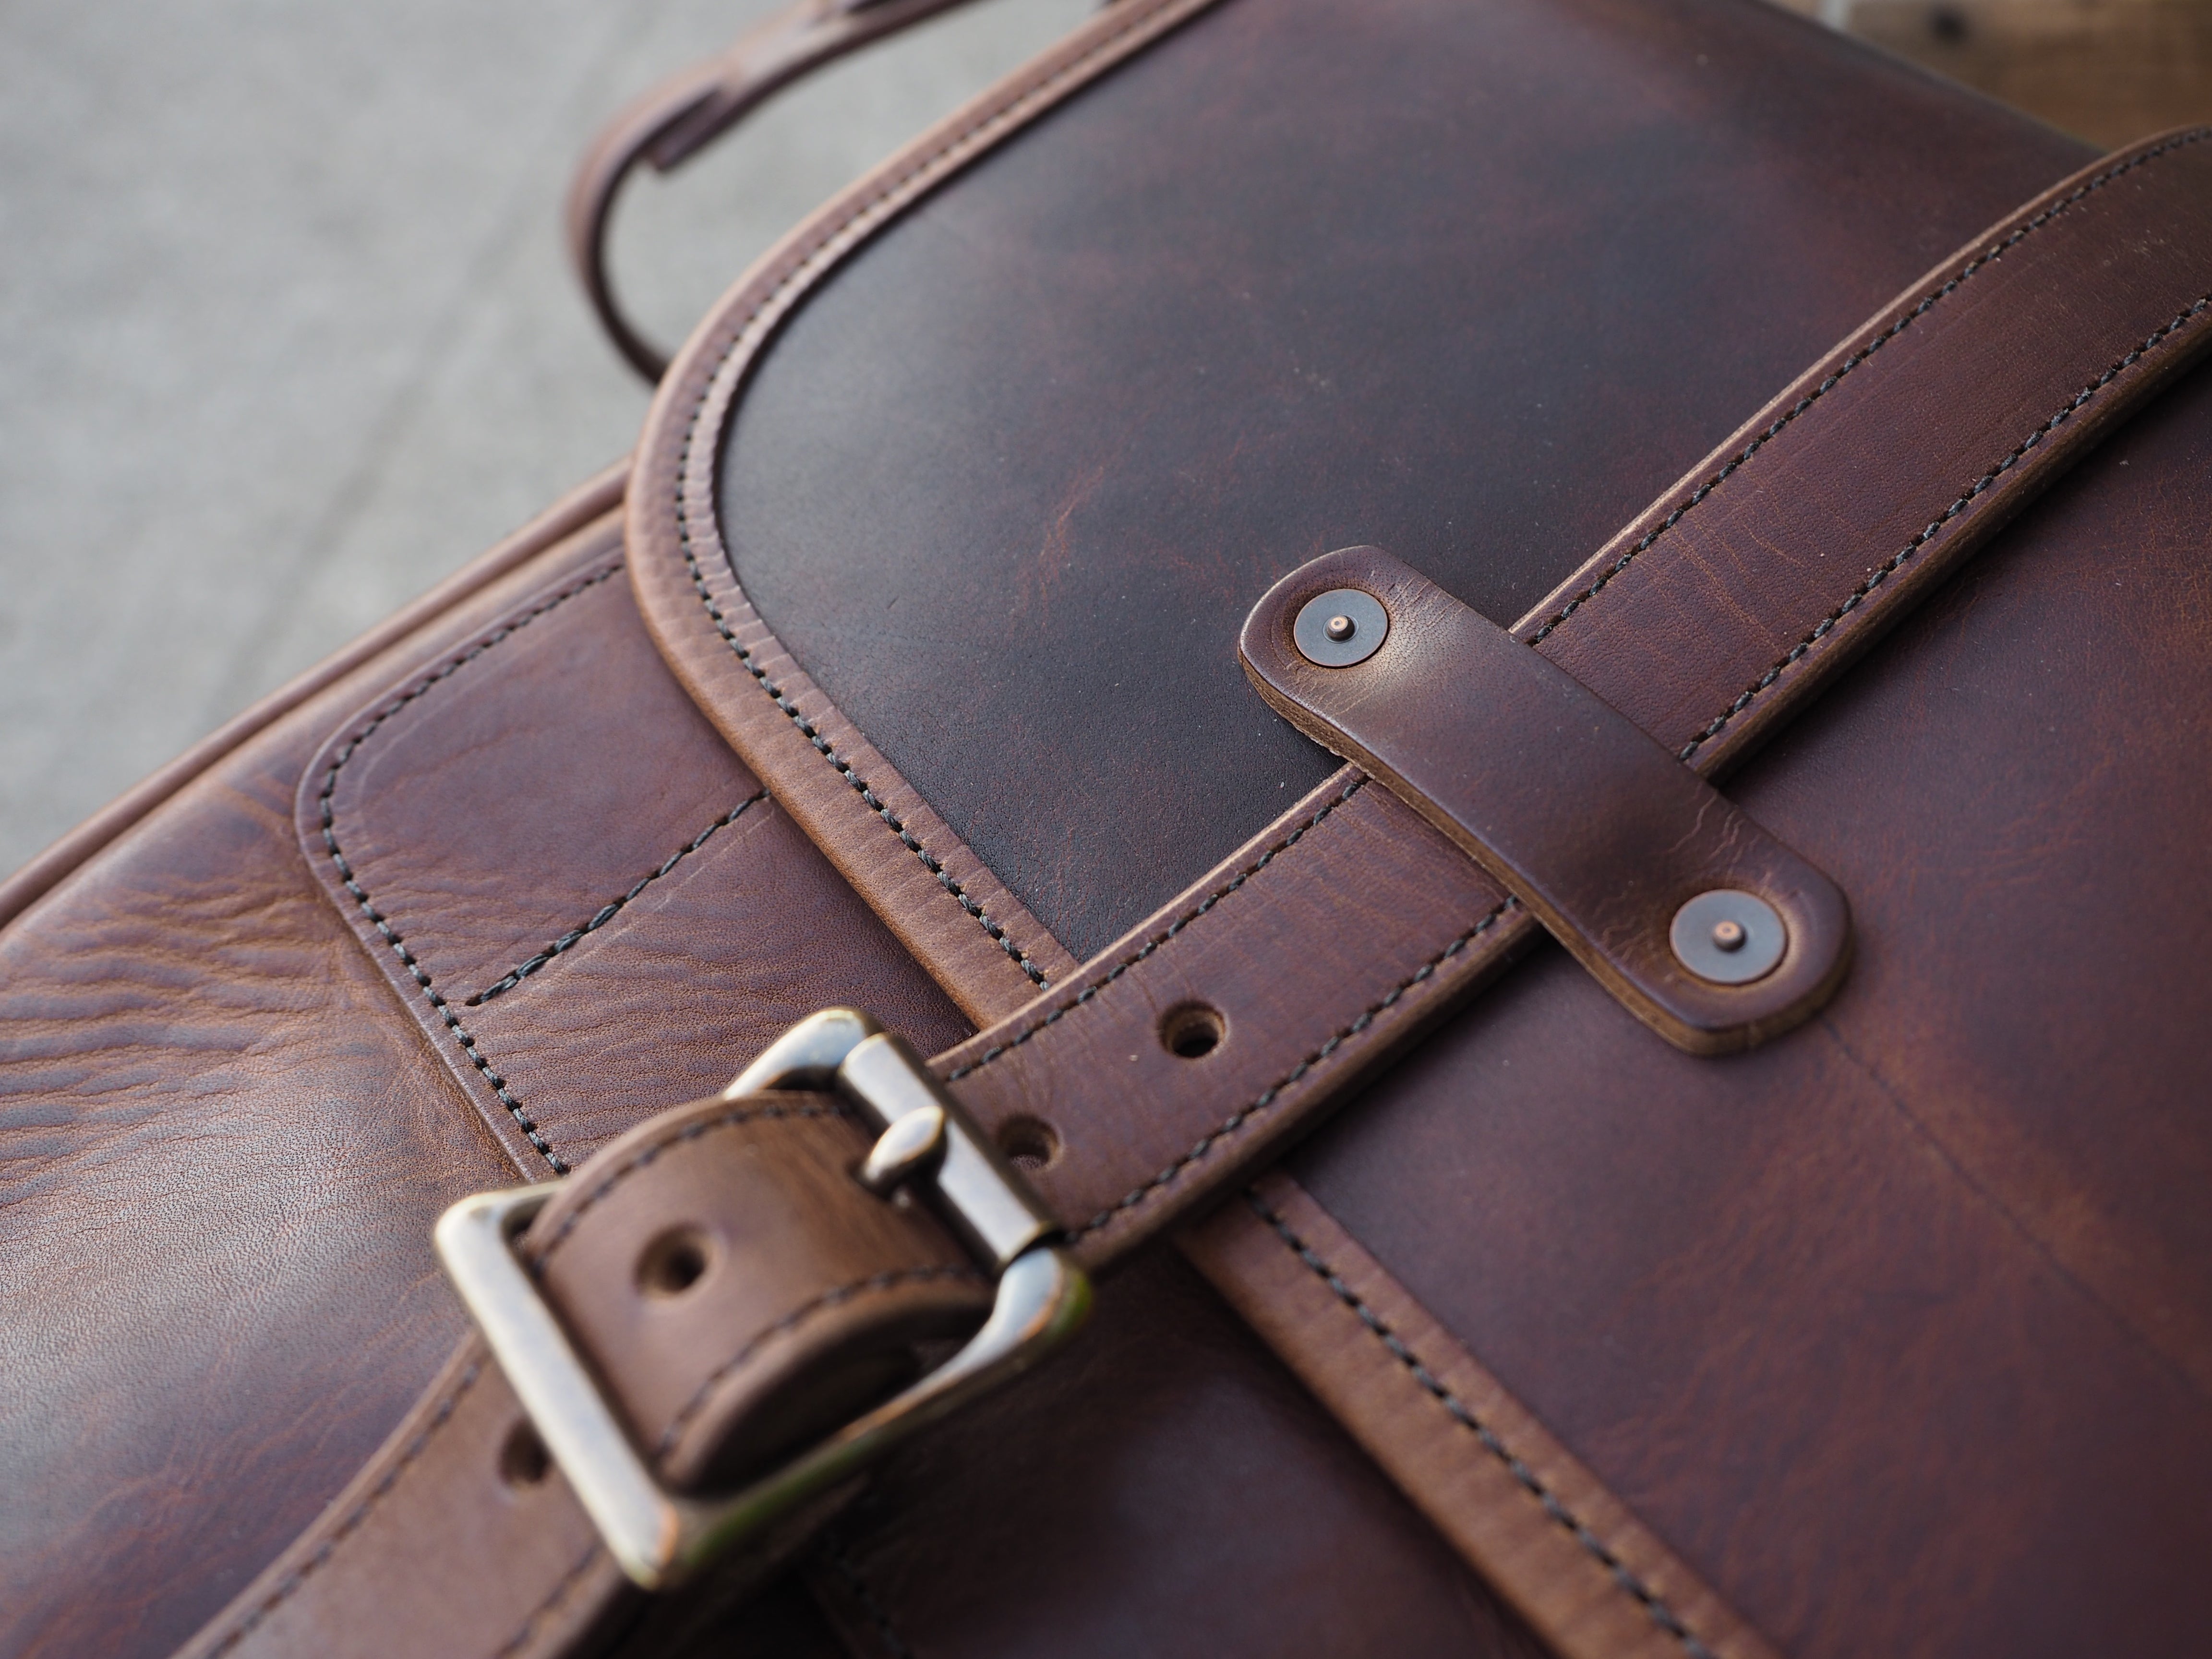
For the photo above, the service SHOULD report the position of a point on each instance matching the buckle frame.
(661, 1537)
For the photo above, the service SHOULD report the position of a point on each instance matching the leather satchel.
(1382, 937)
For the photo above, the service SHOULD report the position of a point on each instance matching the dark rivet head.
(1729, 937)
(1340, 628)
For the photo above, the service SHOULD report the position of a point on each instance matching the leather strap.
(739, 1294)
(1325, 945)
(1578, 1563)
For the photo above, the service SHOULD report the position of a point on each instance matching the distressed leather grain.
(459, 1537)
(223, 1155)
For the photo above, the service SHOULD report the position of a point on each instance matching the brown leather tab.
(1596, 829)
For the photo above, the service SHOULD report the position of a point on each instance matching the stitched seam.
(608, 912)
(833, 243)
(835, 1554)
(568, 1582)
(1994, 251)
(326, 813)
(1203, 1147)
(540, 1253)
(791, 1320)
(1160, 938)
(858, 784)
(1488, 1438)
(439, 1416)
(1897, 561)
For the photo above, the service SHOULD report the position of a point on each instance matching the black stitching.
(1205, 1143)
(835, 1554)
(797, 1317)
(1896, 562)
(843, 768)
(609, 911)
(1661, 1615)
(436, 999)
(439, 1416)
(541, 1251)
(1993, 252)
(1160, 938)
(566, 1582)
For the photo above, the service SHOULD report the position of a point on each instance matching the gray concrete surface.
(286, 333)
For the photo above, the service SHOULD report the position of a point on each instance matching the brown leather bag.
(1811, 1257)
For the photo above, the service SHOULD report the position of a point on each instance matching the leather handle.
(1658, 884)
(677, 119)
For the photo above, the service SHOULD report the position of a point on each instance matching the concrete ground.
(286, 331)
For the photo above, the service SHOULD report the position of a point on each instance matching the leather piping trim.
(842, 765)
(1592, 1580)
(690, 593)
(599, 495)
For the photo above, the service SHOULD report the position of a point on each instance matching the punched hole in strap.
(1700, 922)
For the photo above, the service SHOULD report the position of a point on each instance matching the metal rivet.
(1729, 937)
(1342, 627)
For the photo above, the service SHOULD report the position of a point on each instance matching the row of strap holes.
(1190, 1030)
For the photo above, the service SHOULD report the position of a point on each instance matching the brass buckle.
(925, 1141)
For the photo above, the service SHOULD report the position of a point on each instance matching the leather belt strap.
(1287, 973)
